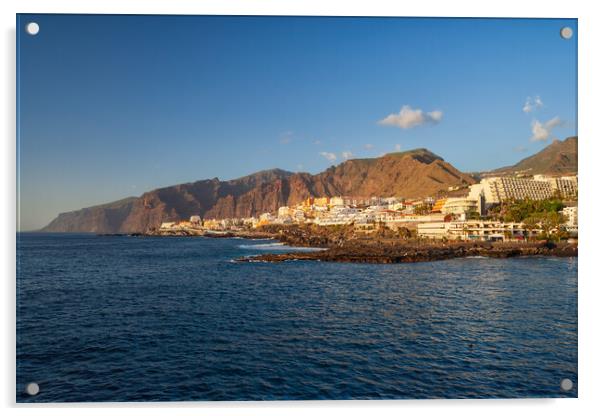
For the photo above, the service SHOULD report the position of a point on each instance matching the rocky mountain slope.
(560, 157)
(97, 219)
(411, 174)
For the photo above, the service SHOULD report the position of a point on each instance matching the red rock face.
(411, 174)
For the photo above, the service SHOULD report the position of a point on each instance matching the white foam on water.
(260, 246)
(277, 247)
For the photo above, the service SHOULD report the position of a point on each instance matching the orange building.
(438, 206)
(322, 202)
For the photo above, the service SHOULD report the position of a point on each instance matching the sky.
(114, 106)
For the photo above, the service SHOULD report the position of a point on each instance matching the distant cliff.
(97, 219)
(412, 174)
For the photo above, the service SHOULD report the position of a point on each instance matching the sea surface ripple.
(164, 319)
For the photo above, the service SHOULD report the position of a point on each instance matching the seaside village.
(468, 216)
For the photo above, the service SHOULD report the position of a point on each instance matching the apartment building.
(459, 206)
(507, 187)
(475, 230)
(338, 216)
(565, 185)
(503, 188)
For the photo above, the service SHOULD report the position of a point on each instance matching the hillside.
(412, 174)
(560, 157)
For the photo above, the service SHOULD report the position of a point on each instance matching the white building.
(570, 213)
(572, 223)
(283, 212)
(475, 230)
(266, 216)
(508, 187)
(436, 230)
(459, 206)
(396, 206)
(167, 225)
(338, 216)
(565, 185)
(503, 188)
(337, 201)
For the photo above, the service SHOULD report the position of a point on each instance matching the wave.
(260, 246)
(277, 247)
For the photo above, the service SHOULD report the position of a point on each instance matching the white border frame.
(590, 71)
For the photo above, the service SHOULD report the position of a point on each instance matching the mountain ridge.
(412, 174)
(560, 157)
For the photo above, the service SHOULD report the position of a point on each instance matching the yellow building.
(261, 222)
(211, 224)
(321, 202)
(438, 206)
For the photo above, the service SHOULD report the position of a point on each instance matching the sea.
(118, 318)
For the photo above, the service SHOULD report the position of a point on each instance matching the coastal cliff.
(413, 174)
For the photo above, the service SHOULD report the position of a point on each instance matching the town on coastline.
(511, 208)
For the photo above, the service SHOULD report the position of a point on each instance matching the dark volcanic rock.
(411, 252)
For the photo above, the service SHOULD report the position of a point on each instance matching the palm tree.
(530, 224)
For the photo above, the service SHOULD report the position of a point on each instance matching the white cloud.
(531, 104)
(542, 131)
(347, 155)
(368, 146)
(409, 117)
(435, 116)
(397, 147)
(317, 142)
(331, 157)
(520, 149)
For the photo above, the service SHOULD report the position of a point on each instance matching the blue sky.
(113, 106)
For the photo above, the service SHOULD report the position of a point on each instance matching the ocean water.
(163, 319)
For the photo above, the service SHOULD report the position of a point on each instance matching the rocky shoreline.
(251, 235)
(416, 252)
(342, 244)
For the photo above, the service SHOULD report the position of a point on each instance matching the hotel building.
(499, 189)
(475, 230)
